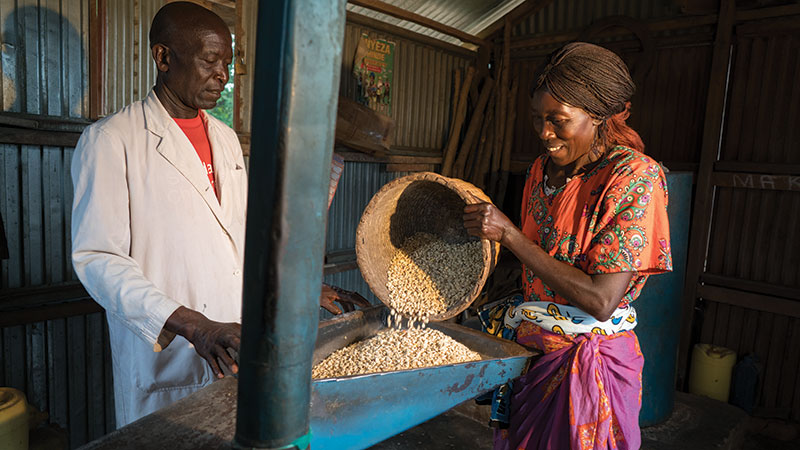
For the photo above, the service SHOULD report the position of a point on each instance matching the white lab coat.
(149, 235)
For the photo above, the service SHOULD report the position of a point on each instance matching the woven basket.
(421, 202)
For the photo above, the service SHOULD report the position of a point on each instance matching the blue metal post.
(659, 310)
(297, 66)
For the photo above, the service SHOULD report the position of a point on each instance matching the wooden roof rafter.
(517, 15)
(399, 13)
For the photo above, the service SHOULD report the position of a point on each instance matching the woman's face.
(567, 132)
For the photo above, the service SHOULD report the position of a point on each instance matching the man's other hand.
(210, 339)
(347, 299)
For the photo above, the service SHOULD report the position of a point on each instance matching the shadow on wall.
(43, 59)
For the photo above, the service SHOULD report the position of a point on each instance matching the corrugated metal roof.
(469, 16)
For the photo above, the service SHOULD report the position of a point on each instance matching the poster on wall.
(373, 68)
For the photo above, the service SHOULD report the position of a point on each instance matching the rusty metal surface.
(203, 420)
(340, 406)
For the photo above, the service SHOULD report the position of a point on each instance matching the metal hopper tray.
(358, 411)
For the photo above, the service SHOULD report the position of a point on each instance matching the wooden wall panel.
(667, 109)
(750, 284)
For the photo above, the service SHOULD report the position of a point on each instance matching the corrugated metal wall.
(36, 196)
(43, 57)
(360, 181)
(130, 70)
(64, 368)
(423, 83)
(755, 236)
(61, 365)
(562, 15)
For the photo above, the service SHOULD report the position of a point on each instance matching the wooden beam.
(360, 19)
(394, 11)
(410, 167)
(388, 159)
(704, 197)
(19, 298)
(757, 181)
(750, 167)
(658, 25)
(517, 15)
(652, 26)
(34, 304)
(98, 30)
(757, 287)
(49, 312)
(749, 300)
(24, 136)
(767, 13)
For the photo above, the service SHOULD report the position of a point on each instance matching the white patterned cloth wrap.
(566, 319)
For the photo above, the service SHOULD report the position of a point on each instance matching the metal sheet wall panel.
(130, 71)
(36, 204)
(423, 84)
(359, 182)
(764, 106)
(754, 236)
(43, 57)
(569, 15)
(64, 367)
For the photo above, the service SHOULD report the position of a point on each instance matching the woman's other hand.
(486, 221)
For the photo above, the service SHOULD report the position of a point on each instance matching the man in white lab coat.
(158, 220)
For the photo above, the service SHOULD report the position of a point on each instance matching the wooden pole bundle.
(505, 161)
(458, 121)
(502, 105)
(472, 130)
(484, 155)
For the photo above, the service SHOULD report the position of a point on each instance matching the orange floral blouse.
(610, 219)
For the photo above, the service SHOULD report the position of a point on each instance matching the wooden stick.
(505, 163)
(455, 131)
(456, 92)
(475, 169)
(501, 108)
(486, 142)
(472, 129)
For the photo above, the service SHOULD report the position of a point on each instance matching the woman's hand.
(486, 221)
(348, 299)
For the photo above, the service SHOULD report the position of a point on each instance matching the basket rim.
(490, 250)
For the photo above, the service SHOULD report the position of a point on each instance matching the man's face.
(198, 68)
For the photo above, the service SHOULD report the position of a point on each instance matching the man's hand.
(210, 339)
(347, 299)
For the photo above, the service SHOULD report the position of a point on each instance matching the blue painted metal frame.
(359, 411)
(296, 72)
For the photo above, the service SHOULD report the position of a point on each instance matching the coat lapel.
(176, 148)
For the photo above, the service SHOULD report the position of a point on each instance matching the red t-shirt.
(195, 130)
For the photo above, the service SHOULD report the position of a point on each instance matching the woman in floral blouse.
(593, 228)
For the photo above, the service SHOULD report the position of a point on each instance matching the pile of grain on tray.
(395, 349)
(427, 275)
